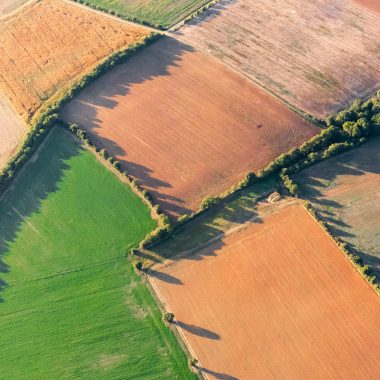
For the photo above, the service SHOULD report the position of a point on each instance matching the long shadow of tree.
(317, 182)
(155, 61)
(32, 186)
(213, 12)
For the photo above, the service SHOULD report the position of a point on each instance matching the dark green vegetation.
(71, 305)
(157, 13)
(211, 224)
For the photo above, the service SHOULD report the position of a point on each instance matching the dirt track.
(275, 301)
(317, 55)
(183, 124)
(11, 130)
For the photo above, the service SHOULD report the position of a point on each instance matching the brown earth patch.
(183, 124)
(317, 55)
(371, 4)
(275, 300)
(49, 43)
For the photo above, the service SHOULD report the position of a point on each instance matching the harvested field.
(48, 43)
(345, 190)
(275, 300)
(159, 13)
(11, 131)
(316, 55)
(71, 306)
(183, 124)
(7, 6)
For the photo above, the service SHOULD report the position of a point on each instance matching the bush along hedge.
(164, 226)
(346, 130)
(48, 115)
(364, 270)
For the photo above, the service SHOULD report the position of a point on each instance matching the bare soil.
(316, 55)
(183, 124)
(277, 300)
(345, 191)
(49, 43)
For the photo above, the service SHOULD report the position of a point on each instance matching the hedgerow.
(48, 115)
(164, 226)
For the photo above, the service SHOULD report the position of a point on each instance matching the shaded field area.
(211, 225)
(7, 6)
(345, 191)
(33, 66)
(11, 131)
(158, 13)
(316, 55)
(281, 292)
(183, 124)
(71, 307)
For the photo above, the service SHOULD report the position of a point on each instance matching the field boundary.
(162, 305)
(364, 270)
(48, 114)
(139, 22)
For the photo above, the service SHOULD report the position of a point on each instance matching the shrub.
(209, 202)
(139, 266)
(169, 317)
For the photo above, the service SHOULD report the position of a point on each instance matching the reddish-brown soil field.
(277, 300)
(11, 130)
(317, 55)
(345, 190)
(371, 4)
(48, 43)
(183, 124)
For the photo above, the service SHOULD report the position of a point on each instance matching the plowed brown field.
(48, 43)
(345, 190)
(277, 300)
(317, 55)
(11, 130)
(183, 124)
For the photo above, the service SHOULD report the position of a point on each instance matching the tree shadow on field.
(199, 331)
(38, 179)
(331, 187)
(209, 14)
(152, 62)
(218, 375)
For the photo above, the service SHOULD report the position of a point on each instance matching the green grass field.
(71, 306)
(232, 212)
(159, 13)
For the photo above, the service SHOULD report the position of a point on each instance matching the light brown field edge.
(277, 299)
(183, 124)
(315, 55)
